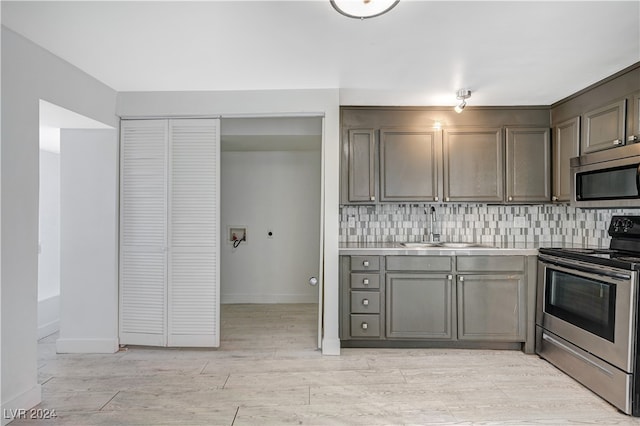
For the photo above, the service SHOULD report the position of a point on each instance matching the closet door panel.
(194, 171)
(143, 232)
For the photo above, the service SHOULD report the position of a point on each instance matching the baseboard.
(87, 346)
(268, 298)
(48, 329)
(48, 316)
(330, 346)
(18, 407)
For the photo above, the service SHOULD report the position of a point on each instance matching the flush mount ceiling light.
(362, 9)
(462, 94)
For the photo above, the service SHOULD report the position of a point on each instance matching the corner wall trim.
(15, 407)
(330, 346)
(87, 346)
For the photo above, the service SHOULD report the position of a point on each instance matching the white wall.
(89, 241)
(30, 73)
(49, 237)
(277, 191)
(262, 103)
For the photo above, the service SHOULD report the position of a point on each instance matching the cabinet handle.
(365, 281)
(446, 199)
(435, 198)
(554, 198)
(617, 142)
(632, 138)
(365, 263)
(449, 277)
(365, 302)
(364, 325)
(510, 198)
(461, 279)
(372, 198)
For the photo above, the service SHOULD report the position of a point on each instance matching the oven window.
(585, 303)
(616, 183)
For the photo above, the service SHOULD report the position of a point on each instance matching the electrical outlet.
(519, 222)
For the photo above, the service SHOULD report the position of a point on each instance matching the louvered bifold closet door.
(194, 175)
(143, 232)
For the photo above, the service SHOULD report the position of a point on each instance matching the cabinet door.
(635, 119)
(143, 232)
(473, 165)
(491, 307)
(409, 164)
(528, 170)
(419, 306)
(361, 166)
(603, 128)
(566, 144)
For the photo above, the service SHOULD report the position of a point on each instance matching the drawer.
(490, 263)
(365, 263)
(365, 325)
(365, 302)
(419, 263)
(365, 280)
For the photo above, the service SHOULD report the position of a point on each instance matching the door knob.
(313, 281)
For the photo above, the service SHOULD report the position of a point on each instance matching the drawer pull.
(364, 325)
(449, 277)
(365, 281)
(365, 302)
(617, 142)
(461, 279)
(372, 198)
(365, 263)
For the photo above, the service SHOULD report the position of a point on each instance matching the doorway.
(77, 263)
(271, 225)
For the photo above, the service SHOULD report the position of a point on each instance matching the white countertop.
(486, 249)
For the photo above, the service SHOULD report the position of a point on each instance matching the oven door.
(590, 306)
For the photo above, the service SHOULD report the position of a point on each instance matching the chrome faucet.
(433, 237)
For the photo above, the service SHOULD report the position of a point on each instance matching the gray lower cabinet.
(491, 307)
(454, 300)
(410, 164)
(419, 306)
(361, 297)
(528, 165)
(473, 165)
(604, 127)
(565, 145)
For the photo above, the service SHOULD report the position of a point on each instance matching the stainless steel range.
(587, 316)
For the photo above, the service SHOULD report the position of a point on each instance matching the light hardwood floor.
(267, 372)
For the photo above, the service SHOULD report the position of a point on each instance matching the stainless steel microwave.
(609, 178)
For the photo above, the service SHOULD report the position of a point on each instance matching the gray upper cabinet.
(528, 171)
(410, 164)
(604, 127)
(565, 145)
(473, 165)
(634, 137)
(361, 166)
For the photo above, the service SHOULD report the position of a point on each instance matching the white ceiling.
(420, 53)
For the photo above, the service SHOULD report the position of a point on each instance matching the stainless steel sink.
(461, 245)
(443, 245)
(419, 245)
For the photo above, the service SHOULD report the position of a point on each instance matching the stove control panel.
(621, 226)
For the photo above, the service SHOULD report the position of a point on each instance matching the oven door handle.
(572, 268)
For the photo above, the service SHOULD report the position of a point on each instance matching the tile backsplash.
(481, 223)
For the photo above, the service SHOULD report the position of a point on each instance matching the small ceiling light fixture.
(362, 9)
(462, 94)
